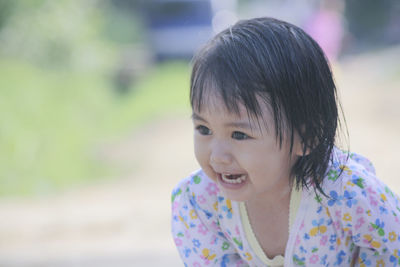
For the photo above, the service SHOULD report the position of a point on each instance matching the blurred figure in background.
(326, 27)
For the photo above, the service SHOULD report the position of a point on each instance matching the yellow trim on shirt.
(295, 199)
(278, 260)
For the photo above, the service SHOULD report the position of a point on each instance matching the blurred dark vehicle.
(372, 23)
(177, 28)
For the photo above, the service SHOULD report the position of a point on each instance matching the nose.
(220, 153)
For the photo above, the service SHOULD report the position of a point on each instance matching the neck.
(272, 200)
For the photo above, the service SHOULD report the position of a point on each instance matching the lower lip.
(229, 185)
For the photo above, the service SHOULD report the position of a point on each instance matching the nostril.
(220, 152)
(220, 158)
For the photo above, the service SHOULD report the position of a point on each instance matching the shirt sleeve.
(372, 214)
(196, 231)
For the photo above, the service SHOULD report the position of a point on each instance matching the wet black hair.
(275, 62)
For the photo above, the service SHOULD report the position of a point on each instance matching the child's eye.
(203, 130)
(240, 136)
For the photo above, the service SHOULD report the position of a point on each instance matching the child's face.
(241, 155)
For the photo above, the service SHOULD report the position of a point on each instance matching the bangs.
(227, 69)
(213, 80)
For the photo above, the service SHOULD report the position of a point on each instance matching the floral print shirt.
(358, 224)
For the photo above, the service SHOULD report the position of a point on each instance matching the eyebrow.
(234, 124)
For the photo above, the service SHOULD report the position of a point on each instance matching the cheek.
(202, 155)
(264, 157)
(200, 151)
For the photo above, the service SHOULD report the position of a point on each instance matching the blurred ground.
(126, 223)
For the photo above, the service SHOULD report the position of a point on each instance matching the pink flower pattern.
(212, 189)
(178, 242)
(201, 199)
(202, 229)
(356, 220)
(360, 222)
(314, 258)
(359, 210)
(323, 240)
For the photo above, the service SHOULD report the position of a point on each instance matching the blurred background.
(96, 129)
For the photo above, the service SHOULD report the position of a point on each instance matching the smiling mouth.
(233, 178)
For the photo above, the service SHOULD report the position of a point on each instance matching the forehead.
(213, 105)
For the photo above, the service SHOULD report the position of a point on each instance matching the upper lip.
(226, 171)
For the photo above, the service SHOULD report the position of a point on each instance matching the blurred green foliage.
(58, 99)
(57, 34)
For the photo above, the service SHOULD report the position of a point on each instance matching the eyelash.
(240, 136)
(203, 130)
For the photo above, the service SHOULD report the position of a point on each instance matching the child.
(273, 190)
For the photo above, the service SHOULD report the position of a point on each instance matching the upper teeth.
(238, 180)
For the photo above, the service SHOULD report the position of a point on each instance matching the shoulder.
(363, 204)
(352, 177)
(197, 184)
(195, 224)
(197, 193)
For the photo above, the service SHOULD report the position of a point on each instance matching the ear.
(299, 146)
(298, 149)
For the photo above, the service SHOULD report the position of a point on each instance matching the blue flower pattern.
(359, 214)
